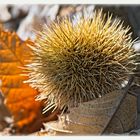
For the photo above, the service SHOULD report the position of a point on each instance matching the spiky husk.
(74, 63)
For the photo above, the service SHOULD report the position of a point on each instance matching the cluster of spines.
(74, 63)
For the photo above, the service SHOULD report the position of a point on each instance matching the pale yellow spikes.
(81, 62)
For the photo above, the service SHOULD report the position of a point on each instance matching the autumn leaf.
(19, 97)
(90, 118)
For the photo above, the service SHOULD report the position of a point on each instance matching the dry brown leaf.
(89, 118)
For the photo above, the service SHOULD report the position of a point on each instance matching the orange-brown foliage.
(19, 97)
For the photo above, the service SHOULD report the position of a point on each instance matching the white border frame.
(70, 2)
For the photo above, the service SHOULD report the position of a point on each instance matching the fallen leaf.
(89, 118)
(19, 97)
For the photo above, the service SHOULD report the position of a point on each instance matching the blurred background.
(25, 18)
